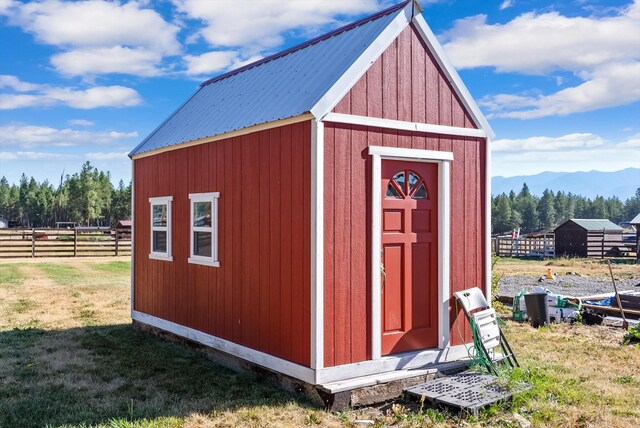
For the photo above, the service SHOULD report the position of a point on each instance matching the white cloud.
(506, 4)
(537, 44)
(46, 96)
(35, 156)
(568, 153)
(106, 156)
(12, 82)
(80, 122)
(608, 86)
(603, 51)
(116, 59)
(570, 141)
(258, 24)
(29, 136)
(210, 62)
(98, 37)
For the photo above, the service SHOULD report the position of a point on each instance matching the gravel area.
(570, 285)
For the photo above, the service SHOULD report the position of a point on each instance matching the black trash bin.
(537, 309)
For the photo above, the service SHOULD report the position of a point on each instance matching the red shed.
(313, 212)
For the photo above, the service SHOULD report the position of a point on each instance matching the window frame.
(156, 255)
(213, 198)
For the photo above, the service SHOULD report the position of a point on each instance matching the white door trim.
(442, 159)
(402, 125)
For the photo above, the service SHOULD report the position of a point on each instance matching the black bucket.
(537, 308)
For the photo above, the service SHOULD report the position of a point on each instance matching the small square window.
(204, 229)
(161, 228)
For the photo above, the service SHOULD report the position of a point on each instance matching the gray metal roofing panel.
(596, 224)
(284, 87)
(636, 220)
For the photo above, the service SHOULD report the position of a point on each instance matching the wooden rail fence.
(79, 242)
(542, 247)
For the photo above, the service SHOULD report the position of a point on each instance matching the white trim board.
(402, 125)
(444, 211)
(260, 358)
(317, 244)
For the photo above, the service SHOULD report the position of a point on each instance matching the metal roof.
(282, 86)
(595, 224)
(636, 220)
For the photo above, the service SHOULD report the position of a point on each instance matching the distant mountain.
(622, 184)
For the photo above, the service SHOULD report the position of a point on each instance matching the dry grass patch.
(69, 357)
(594, 268)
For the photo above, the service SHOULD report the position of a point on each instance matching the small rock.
(524, 423)
(363, 422)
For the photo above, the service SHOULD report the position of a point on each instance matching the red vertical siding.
(405, 83)
(259, 296)
(394, 87)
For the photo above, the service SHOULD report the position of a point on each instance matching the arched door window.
(406, 184)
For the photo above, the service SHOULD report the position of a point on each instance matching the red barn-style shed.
(314, 212)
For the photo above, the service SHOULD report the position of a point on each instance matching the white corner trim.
(452, 75)
(410, 154)
(402, 125)
(444, 257)
(487, 220)
(260, 358)
(317, 244)
(362, 64)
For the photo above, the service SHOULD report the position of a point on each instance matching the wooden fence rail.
(543, 247)
(79, 242)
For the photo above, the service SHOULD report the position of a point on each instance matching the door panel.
(409, 256)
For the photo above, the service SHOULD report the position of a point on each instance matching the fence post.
(116, 231)
(33, 243)
(75, 242)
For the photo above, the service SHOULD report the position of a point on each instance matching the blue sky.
(558, 80)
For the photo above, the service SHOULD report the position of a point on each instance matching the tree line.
(531, 213)
(87, 197)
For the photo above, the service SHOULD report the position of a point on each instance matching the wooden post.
(602, 253)
(33, 243)
(116, 231)
(75, 242)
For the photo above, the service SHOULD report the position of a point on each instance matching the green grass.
(122, 378)
(24, 305)
(116, 267)
(61, 274)
(10, 276)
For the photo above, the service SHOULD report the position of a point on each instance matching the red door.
(409, 256)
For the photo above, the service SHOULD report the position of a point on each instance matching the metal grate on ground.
(468, 391)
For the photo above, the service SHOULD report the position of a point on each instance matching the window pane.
(392, 193)
(160, 215)
(421, 193)
(202, 214)
(413, 180)
(399, 178)
(202, 244)
(159, 242)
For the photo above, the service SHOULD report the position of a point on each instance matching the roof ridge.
(313, 41)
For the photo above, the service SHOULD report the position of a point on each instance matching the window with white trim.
(161, 228)
(204, 228)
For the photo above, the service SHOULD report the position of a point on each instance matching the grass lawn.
(68, 357)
